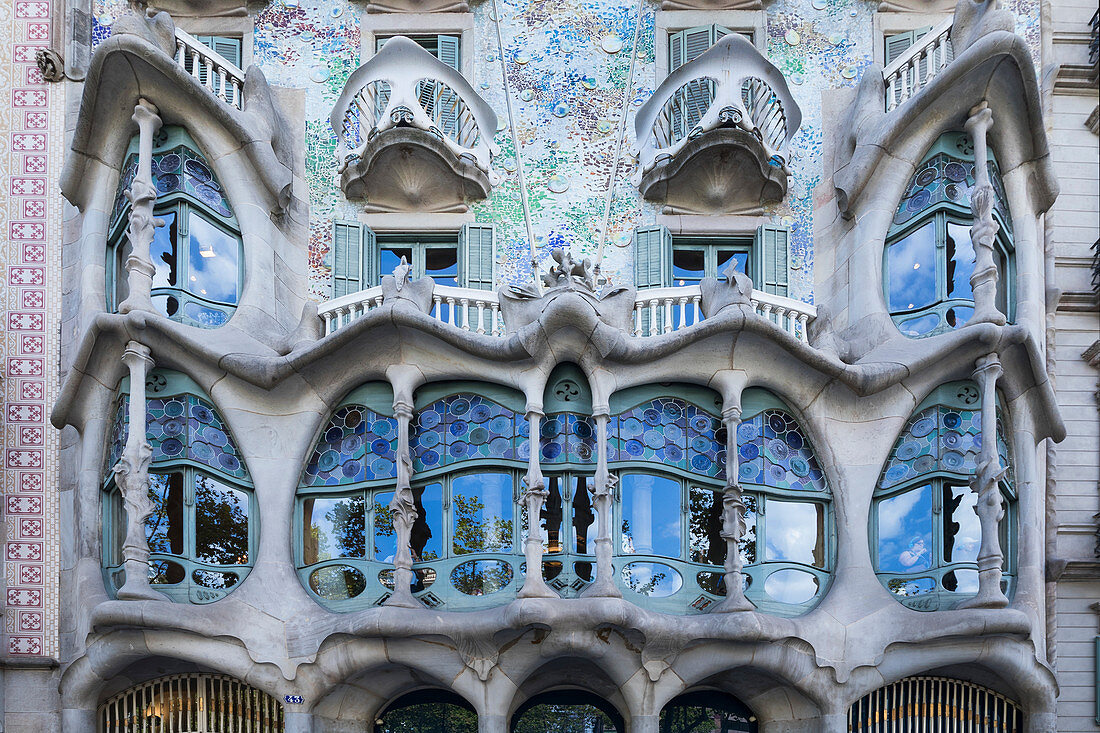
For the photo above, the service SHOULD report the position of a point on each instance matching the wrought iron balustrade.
(909, 73)
(210, 68)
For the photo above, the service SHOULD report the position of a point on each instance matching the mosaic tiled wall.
(30, 269)
(568, 66)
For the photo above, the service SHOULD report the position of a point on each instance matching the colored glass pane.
(773, 451)
(357, 445)
(466, 427)
(672, 432)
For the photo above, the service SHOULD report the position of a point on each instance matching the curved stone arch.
(778, 682)
(573, 672)
(89, 680)
(1002, 665)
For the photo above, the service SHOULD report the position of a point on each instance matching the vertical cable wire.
(519, 156)
(619, 138)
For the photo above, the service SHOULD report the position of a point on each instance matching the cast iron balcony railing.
(909, 73)
(404, 87)
(211, 69)
(656, 310)
(715, 135)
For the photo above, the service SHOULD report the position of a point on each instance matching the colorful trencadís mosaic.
(357, 445)
(466, 427)
(178, 170)
(941, 439)
(773, 451)
(949, 178)
(672, 432)
(180, 427)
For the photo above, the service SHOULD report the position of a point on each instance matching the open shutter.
(228, 48)
(770, 244)
(475, 248)
(897, 44)
(347, 271)
(652, 257)
(448, 51)
(697, 41)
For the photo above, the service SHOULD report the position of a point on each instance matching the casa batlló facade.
(523, 365)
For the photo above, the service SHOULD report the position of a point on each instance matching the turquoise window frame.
(114, 517)
(941, 599)
(182, 204)
(692, 596)
(942, 213)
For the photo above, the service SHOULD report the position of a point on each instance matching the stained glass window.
(926, 531)
(357, 445)
(467, 427)
(773, 451)
(929, 256)
(197, 253)
(200, 532)
(670, 431)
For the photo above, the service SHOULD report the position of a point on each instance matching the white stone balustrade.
(210, 68)
(909, 73)
(405, 85)
(656, 310)
(730, 86)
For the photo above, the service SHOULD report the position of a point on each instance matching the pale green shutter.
(354, 258)
(475, 253)
(770, 247)
(697, 41)
(447, 51)
(652, 257)
(228, 48)
(897, 44)
(675, 51)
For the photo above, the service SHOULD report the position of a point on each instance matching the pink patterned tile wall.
(31, 144)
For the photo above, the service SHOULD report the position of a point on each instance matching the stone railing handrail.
(744, 90)
(224, 79)
(405, 85)
(908, 73)
(656, 310)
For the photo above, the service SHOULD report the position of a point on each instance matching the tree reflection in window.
(200, 530)
(927, 534)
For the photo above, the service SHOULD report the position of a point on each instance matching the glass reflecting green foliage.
(428, 711)
(552, 718)
(221, 523)
(707, 711)
(333, 528)
(482, 513)
(337, 582)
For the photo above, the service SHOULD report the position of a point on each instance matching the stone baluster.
(668, 316)
(983, 281)
(733, 519)
(534, 499)
(402, 506)
(142, 196)
(132, 477)
(603, 489)
(986, 483)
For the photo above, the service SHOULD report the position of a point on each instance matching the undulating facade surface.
(531, 365)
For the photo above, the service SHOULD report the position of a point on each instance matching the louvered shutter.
(347, 271)
(770, 245)
(697, 41)
(447, 51)
(228, 48)
(652, 257)
(475, 246)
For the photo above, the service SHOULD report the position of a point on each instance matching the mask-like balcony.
(413, 134)
(714, 136)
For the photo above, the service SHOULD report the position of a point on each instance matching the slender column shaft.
(142, 196)
(603, 489)
(986, 484)
(733, 520)
(403, 511)
(983, 234)
(534, 499)
(132, 477)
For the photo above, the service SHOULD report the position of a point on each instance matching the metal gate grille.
(934, 705)
(192, 703)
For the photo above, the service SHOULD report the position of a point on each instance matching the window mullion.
(941, 256)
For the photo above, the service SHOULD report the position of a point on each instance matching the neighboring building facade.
(780, 317)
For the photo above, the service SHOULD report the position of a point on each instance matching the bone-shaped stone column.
(983, 234)
(132, 477)
(402, 506)
(986, 483)
(534, 499)
(142, 196)
(603, 489)
(733, 519)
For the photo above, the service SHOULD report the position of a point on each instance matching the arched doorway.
(707, 711)
(567, 711)
(191, 703)
(428, 711)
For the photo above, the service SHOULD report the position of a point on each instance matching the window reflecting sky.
(911, 263)
(793, 531)
(212, 262)
(650, 515)
(905, 531)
